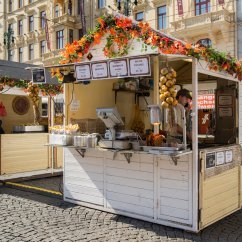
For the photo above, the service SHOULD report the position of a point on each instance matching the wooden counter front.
(24, 152)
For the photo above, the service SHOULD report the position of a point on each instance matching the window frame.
(57, 11)
(42, 47)
(200, 4)
(31, 23)
(20, 54)
(207, 40)
(163, 17)
(31, 54)
(20, 27)
(10, 6)
(100, 4)
(42, 19)
(60, 39)
(138, 14)
(20, 3)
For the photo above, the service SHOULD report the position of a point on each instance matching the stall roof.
(96, 46)
(16, 70)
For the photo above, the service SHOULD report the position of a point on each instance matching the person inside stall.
(175, 122)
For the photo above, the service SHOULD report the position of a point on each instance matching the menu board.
(118, 68)
(139, 66)
(125, 67)
(225, 112)
(210, 160)
(225, 100)
(99, 70)
(83, 72)
(38, 76)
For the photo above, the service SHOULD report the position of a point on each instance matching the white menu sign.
(83, 72)
(139, 66)
(99, 70)
(118, 68)
(219, 158)
(228, 156)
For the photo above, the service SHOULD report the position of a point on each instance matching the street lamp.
(126, 5)
(8, 40)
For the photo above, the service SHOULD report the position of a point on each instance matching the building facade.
(208, 22)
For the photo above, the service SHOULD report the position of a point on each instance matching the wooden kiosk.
(21, 154)
(190, 189)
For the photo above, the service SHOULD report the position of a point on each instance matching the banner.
(180, 7)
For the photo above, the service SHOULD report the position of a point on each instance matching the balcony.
(197, 24)
(31, 35)
(64, 19)
(49, 56)
(19, 40)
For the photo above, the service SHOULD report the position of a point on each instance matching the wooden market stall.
(188, 188)
(23, 152)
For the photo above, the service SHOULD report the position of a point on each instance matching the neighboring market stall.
(124, 72)
(23, 131)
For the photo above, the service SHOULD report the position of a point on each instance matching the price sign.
(210, 160)
(228, 156)
(99, 70)
(118, 68)
(139, 66)
(83, 72)
(220, 158)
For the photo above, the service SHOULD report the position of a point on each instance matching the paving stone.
(26, 216)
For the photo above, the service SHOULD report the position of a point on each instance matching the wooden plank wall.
(219, 194)
(175, 189)
(157, 190)
(24, 152)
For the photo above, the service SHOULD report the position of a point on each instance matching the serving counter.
(153, 187)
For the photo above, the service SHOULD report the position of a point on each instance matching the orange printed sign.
(206, 101)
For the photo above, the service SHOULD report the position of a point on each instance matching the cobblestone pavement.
(27, 216)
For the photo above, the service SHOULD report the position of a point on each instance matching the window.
(10, 26)
(161, 12)
(70, 35)
(60, 39)
(20, 27)
(31, 23)
(202, 6)
(10, 6)
(139, 16)
(80, 33)
(11, 55)
(42, 47)
(20, 3)
(57, 11)
(101, 4)
(20, 54)
(42, 19)
(205, 42)
(70, 7)
(31, 51)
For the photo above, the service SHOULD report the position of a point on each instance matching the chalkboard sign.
(38, 76)
(210, 160)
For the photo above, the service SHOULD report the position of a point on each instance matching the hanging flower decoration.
(119, 32)
(44, 89)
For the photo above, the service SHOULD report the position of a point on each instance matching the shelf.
(138, 93)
